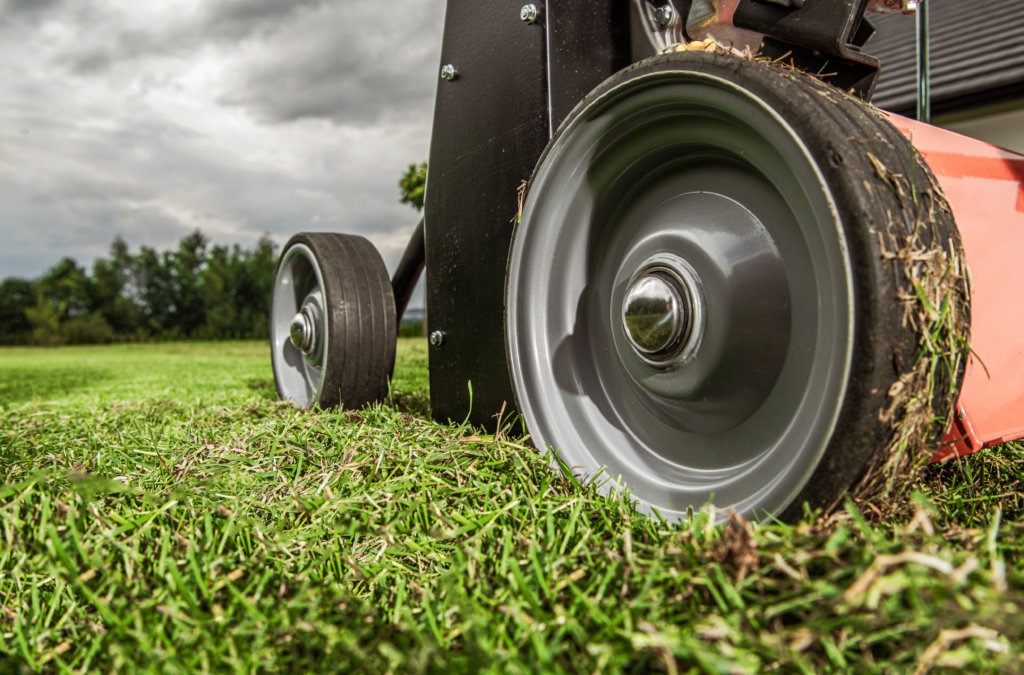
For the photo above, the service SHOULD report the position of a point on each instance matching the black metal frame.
(511, 85)
(823, 37)
(409, 269)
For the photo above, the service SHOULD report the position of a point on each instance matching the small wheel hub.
(332, 322)
(303, 329)
(657, 314)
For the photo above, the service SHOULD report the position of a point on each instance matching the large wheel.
(709, 297)
(332, 322)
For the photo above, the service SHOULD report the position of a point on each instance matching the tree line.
(191, 292)
(194, 291)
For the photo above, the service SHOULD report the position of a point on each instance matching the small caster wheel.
(332, 322)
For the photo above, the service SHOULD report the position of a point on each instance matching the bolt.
(529, 13)
(301, 332)
(303, 329)
(448, 72)
(663, 14)
(437, 338)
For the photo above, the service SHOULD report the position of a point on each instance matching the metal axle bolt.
(529, 13)
(655, 315)
(448, 72)
(437, 338)
(302, 330)
(663, 14)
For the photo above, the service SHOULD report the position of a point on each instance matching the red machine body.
(985, 188)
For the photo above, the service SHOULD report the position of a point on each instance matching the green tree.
(256, 282)
(84, 329)
(113, 290)
(45, 317)
(192, 291)
(236, 289)
(413, 185)
(63, 308)
(220, 293)
(16, 296)
(187, 267)
(67, 285)
(154, 280)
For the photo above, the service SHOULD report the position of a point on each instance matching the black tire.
(812, 368)
(348, 353)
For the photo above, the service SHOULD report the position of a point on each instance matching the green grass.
(161, 511)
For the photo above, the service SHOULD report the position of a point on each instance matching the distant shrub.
(412, 329)
(88, 328)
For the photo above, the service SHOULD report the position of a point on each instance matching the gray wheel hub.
(298, 330)
(691, 338)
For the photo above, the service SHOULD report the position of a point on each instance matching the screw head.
(437, 338)
(663, 14)
(448, 72)
(529, 13)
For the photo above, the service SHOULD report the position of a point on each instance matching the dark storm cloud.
(13, 7)
(352, 63)
(239, 19)
(104, 50)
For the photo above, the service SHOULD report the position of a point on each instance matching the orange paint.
(992, 168)
(985, 188)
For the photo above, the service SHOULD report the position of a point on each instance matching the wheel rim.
(694, 181)
(298, 327)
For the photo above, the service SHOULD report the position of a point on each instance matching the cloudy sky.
(151, 118)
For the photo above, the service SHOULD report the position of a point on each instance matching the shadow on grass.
(415, 403)
(264, 388)
(20, 385)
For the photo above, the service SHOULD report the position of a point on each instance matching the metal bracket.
(822, 37)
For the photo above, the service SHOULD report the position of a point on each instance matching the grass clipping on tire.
(923, 249)
(935, 305)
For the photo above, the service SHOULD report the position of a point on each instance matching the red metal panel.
(985, 188)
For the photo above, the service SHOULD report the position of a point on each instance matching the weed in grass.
(195, 524)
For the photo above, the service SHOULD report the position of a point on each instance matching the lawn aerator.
(676, 239)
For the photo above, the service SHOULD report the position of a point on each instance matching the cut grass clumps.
(928, 320)
(923, 263)
(923, 245)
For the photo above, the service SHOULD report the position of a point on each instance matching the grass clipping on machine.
(935, 305)
(707, 45)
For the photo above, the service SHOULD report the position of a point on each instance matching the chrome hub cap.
(657, 314)
(302, 331)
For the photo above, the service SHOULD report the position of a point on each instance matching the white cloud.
(147, 120)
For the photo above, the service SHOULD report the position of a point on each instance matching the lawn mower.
(678, 243)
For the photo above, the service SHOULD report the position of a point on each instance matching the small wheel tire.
(332, 322)
(713, 293)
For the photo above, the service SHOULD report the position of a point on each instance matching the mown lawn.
(159, 510)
